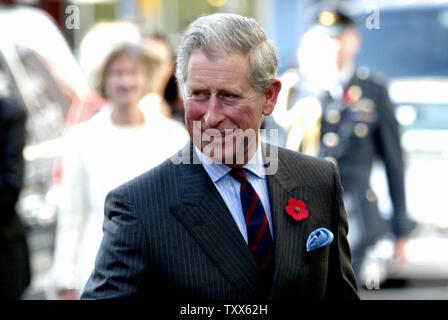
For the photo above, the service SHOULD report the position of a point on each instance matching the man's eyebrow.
(197, 86)
(232, 91)
(201, 87)
(227, 92)
(191, 88)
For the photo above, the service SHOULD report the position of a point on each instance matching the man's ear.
(271, 96)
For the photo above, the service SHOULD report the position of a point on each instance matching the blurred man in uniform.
(341, 113)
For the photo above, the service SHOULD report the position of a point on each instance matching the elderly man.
(218, 221)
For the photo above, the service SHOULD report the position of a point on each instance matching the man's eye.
(229, 96)
(199, 94)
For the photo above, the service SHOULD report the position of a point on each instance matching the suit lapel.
(205, 215)
(287, 232)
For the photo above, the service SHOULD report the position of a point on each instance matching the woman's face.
(126, 82)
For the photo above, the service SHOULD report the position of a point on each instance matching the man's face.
(219, 100)
(125, 82)
(347, 46)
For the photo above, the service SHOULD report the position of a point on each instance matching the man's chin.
(224, 155)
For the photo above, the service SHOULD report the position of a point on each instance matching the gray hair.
(230, 33)
(149, 64)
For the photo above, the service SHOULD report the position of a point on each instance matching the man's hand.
(68, 294)
(400, 253)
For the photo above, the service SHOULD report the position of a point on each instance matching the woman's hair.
(148, 64)
(223, 33)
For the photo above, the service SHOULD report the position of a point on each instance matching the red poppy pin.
(296, 209)
(352, 94)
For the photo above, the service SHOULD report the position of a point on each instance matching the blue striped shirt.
(229, 188)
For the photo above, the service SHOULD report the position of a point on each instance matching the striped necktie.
(258, 232)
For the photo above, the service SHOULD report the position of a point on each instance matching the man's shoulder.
(298, 164)
(162, 173)
(375, 82)
(298, 157)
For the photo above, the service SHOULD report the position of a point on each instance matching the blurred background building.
(403, 41)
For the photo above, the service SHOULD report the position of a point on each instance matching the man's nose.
(214, 114)
(127, 80)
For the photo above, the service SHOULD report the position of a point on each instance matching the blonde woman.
(118, 143)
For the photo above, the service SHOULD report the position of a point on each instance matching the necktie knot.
(239, 175)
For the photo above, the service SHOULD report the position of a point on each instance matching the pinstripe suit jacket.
(168, 234)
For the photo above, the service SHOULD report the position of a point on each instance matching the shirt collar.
(218, 170)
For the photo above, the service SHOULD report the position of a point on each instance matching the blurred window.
(429, 117)
(410, 42)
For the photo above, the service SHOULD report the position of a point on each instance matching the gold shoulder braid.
(302, 120)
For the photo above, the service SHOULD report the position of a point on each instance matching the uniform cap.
(333, 21)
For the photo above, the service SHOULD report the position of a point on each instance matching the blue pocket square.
(319, 238)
